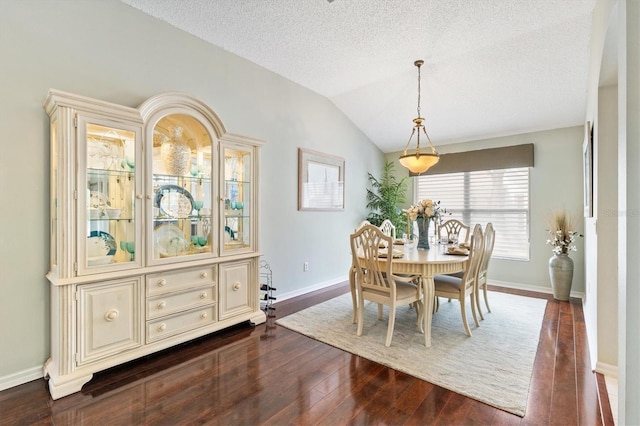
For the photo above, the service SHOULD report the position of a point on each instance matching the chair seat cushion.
(447, 283)
(459, 274)
(403, 290)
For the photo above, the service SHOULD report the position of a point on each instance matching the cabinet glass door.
(237, 197)
(182, 170)
(110, 236)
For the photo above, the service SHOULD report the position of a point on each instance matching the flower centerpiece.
(423, 213)
(563, 234)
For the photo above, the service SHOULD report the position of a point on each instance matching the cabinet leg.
(258, 318)
(60, 386)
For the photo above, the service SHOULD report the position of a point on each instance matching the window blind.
(497, 196)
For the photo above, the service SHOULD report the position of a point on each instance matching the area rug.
(493, 366)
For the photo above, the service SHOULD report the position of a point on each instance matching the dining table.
(426, 263)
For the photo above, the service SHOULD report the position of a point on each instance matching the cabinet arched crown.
(152, 209)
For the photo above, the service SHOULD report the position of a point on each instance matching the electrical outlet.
(305, 267)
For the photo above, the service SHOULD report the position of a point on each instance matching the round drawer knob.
(162, 304)
(203, 315)
(236, 286)
(148, 197)
(203, 295)
(162, 327)
(203, 275)
(112, 315)
(139, 196)
(162, 282)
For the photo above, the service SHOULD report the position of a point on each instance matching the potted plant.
(385, 195)
(562, 236)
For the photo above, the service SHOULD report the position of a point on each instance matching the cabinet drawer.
(170, 326)
(167, 304)
(169, 281)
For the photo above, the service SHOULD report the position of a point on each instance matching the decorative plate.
(98, 200)
(169, 240)
(100, 244)
(174, 201)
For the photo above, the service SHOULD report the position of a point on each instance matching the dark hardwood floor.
(270, 375)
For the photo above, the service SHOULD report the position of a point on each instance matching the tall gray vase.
(561, 274)
(423, 232)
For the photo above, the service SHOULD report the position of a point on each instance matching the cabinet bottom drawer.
(162, 328)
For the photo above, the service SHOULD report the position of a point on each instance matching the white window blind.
(497, 196)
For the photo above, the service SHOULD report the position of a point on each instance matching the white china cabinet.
(153, 231)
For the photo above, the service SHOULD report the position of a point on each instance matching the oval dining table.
(427, 264)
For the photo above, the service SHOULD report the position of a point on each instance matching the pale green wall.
(555, 182)
(109, 51)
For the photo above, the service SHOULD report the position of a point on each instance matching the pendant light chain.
(419, 91)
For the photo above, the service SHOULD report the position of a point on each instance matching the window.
(497, 196)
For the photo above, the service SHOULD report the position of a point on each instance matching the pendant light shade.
(419, 162)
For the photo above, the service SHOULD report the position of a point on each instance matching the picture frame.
(587, 156)
(320, 181)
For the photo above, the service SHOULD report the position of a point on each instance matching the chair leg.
(419, 312)
(392, 321)
(380, 311)
(486, 299)
(463, 308)
(473, 302)
(477, 303)
(352, 287)
(360, 314)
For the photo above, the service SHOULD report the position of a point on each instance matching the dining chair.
(352, 281)
(454, 226)
(372, 253)
(481, 280)
(388, 228)
(460, 288)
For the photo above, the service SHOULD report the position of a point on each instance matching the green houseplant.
(384, 197)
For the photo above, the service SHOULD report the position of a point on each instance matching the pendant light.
(419, 162)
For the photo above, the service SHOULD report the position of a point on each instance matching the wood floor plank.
(541, 388)
(273, 376)
(587, 384)
(564, 410)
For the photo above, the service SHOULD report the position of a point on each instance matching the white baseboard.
(315, 287)
(21, 377)
(537, 289)
(607, 369)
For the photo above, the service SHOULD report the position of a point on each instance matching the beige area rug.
(493, 366)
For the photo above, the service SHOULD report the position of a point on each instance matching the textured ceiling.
(492, 67)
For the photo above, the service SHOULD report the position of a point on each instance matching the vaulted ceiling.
(492, 67)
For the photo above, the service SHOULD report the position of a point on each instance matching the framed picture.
(587, 157)
(320, 181)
